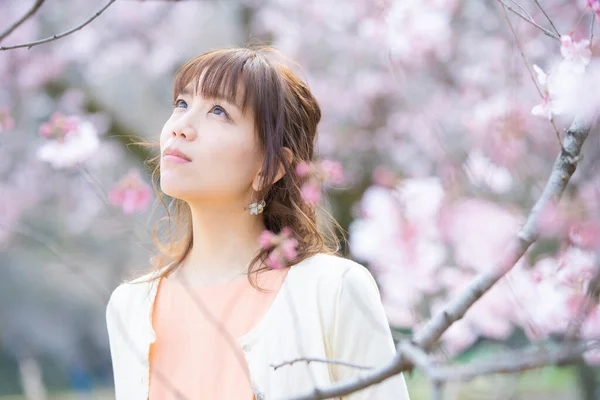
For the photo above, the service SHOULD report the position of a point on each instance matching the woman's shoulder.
(334, 270)
(135, 288)
(328, 263)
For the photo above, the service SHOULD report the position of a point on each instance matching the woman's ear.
(289, 157)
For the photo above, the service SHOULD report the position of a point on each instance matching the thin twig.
(430, 333)
(590, 301)
(524, 10)
(547, 17)
(592, 23)
(24, 18)
(544, 30)
(555, 130)
(518, 43)
(529, 69)
(320, 360)
(60, 35)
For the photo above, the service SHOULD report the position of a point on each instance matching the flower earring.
(257, 207)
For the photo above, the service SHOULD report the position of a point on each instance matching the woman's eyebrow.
(187, 91)
(225, 100)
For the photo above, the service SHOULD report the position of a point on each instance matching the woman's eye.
(218, 110)
(179, 103)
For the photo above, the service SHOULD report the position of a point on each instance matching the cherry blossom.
(544, 109)
(317, 174)
(552, 221)
(570, 87)
(418, 29)
(332, 171)
(483, 172)
(577, 55)
(311, 192)
(396, 231)
(585, 234)
(69, 142)
(282, 246)
(267, 239)
(131, 193)
(6, 121)
(478, 231)
(430, 88)
(595, 6)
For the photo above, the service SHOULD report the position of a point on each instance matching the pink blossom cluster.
(131, 193)
(59, 127)
(425, 246)
(418, 31)
(282, 247)
(6, 121)
(557, 86)
(317, 174)
(430, 88)
(595, 6)
(70, 141)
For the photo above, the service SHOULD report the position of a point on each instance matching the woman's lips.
(174, 159)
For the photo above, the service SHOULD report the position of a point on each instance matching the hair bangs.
(219, 75)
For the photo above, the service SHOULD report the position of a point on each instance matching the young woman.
(210, 324)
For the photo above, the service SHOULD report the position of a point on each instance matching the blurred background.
(445, 131)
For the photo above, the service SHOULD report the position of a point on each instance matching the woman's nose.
(185, 132)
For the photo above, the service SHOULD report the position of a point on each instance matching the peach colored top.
(191, 349)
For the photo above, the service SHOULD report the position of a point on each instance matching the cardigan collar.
(151, 279)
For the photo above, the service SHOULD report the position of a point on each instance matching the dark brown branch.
(60, 35)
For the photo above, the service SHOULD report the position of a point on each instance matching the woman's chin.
(174, 191)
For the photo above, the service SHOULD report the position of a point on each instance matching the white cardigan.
(328, 307)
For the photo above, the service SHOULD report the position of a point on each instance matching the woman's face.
(221, 156)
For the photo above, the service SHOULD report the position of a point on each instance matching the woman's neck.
(225, 240)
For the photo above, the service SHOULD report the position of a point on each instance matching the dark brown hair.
(286, 115)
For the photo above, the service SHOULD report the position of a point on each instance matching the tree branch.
(24, 18)
(563, 169)
(321, 360)
(568, 353)
(531, 21)
(60, 35)
(523, 9)
(419, 358)
(547, 17)
(591, 300)
(592, 23)
(514, 361)
(529, 69)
